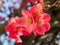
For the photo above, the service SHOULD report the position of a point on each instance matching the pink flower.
(38, 25)
(14, 30)
(42, 24)
(27, 21)
(36, 10)
(32, 21)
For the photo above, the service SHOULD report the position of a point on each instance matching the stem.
(52, 5)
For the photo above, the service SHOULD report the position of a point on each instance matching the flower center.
(40, 22)
(29, 20)
(15, 29)
(37, 12)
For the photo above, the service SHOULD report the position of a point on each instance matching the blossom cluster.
(7, 7)
(34, 20)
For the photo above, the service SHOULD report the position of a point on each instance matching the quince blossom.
(42, 24)
(33, 20)
(14, 29)
(38, 25)
(27, 21)
(36, 10)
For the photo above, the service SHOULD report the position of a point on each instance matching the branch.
(51, 5)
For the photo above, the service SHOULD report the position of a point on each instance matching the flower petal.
(41, 30)
(26, 13)
(22, 21)
(16, 38)
(47, 26)
(25, 33)
(36, 10)
(46, 17)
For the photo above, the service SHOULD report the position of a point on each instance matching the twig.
(52, 5)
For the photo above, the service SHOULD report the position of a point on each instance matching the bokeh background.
(8, 10)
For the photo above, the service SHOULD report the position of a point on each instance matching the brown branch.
(52, 5)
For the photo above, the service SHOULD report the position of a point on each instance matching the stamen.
(40, 22)
(29, 20)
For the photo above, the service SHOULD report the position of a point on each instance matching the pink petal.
(25, 33)
(47, 26)
(35, 33)
(22, 21)
(29, 28)
(10, 27)
(41, 30)
(36, 10)
(17, 19)
(11, 20)
(46, 17)
(18, 40)
(26, 13)
(16, 37)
